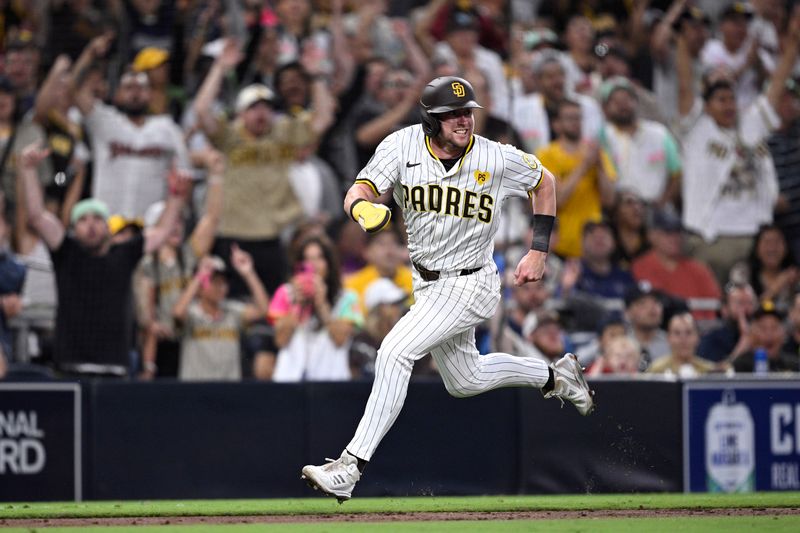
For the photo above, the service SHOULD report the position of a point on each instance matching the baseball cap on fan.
(767, 308)
(535, 320)
(540, 38)
(692, 14)
(383, 291)
(150, 58)
(461, 19)
(252, 94)
(640, 291)
(612, 85)
(666, 220)
(737, 9)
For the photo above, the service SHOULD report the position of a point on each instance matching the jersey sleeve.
(101, 121)
(382, 170)
(523, 172)
(758, 122)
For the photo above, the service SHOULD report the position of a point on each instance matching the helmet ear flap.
(430, 124)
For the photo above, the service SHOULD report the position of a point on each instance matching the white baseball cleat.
(571, 385)
(336, 478)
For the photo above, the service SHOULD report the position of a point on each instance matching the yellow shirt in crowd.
(361, 279)
(584, 204)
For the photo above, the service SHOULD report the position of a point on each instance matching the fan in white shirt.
(729, 186)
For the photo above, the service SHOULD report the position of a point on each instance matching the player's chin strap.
(542, 227)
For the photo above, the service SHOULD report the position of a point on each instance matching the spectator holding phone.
(314, 317)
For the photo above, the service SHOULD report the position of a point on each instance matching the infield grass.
(397, 505)
(309, 506)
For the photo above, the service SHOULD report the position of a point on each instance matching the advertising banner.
(741, 436)
(40, 442)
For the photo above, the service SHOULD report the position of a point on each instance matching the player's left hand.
(530, 268)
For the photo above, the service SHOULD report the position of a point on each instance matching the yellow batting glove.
(371, 217)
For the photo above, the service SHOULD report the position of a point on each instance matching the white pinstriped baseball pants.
(441, 322)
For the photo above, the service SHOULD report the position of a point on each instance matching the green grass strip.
(762, 524)
(396, 505)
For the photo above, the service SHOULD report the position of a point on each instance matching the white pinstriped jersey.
(451, 216)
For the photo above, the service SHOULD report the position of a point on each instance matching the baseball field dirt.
(604, 513)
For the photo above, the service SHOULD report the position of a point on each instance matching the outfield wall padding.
(169, 440)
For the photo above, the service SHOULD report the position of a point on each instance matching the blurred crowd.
(172, 175)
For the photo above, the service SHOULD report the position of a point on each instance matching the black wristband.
(353, 205)
(542, 227)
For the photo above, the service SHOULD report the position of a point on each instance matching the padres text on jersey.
(451, 215)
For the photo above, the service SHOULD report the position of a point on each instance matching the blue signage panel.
(741, 436)
(40, 441)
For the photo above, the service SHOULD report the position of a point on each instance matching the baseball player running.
(451, 185)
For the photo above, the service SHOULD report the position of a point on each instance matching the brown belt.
(433, 275)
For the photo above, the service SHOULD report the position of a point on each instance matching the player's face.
(457, 127)
(722, 108)
(682, 337)
(91, 230)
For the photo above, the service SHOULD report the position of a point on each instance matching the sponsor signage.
(40, 441)
(741, 436)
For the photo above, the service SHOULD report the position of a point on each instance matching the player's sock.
(547, 386)
(362, 464)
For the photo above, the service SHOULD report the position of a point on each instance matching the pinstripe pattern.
(451, 219)
(440, 241)
(441, 322)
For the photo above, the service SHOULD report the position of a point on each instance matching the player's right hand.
(371, 217)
